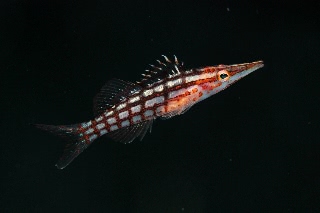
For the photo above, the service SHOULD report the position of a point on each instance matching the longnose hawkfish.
(126, 110)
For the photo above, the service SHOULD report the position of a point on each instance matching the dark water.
(254, 147)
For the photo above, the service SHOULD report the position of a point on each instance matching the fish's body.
(126, 110)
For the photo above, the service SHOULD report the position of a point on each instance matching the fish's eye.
(223, 75)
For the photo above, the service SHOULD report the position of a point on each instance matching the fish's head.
(217, 78)
(232, 73)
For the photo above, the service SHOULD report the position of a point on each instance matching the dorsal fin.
(162, 70)
(113, 92)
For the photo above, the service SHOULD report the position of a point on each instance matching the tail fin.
(76, 143)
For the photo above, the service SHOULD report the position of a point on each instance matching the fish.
(124, 111)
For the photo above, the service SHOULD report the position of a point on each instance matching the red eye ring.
(223, 75)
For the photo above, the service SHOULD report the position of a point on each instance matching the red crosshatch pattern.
(125, 110)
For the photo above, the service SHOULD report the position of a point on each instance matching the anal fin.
(128, 134)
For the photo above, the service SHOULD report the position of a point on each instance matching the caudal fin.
(76, 144)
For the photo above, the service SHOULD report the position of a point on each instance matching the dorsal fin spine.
(165, 69)
(176, 59)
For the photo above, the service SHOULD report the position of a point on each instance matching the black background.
(253, 147)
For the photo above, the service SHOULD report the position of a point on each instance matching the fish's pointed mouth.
(245, 68)
(259, 64)
(239, 71)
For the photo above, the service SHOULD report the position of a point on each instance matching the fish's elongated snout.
(238, 71)
(246, 67)
(258, 64)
